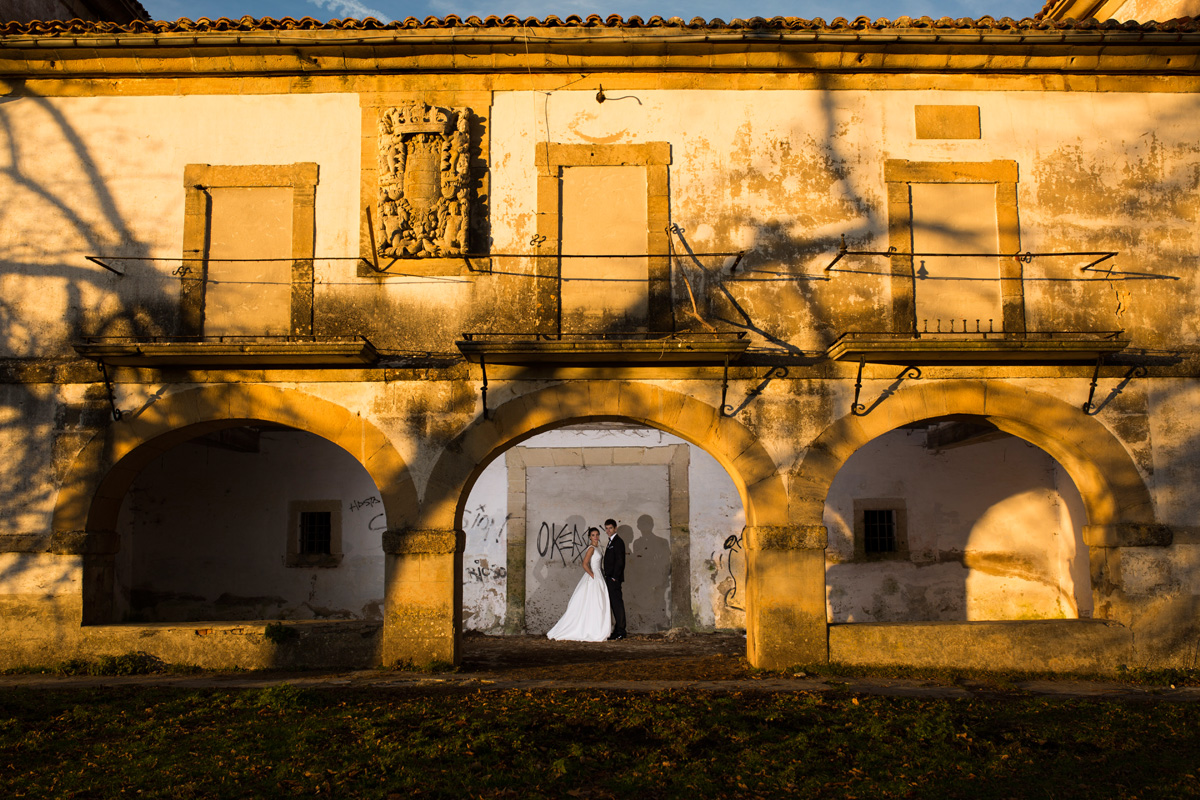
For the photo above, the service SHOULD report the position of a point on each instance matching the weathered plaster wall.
(30, 417)
(784, 174)
(36, 584)
(781, 173)
(104, 176)
(994, 531)
(204, 533)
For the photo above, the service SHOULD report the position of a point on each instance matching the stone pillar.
(1106, 545)
(99, 552)
(514, 612)
(422, 596)
(785, 602)
(682, 614)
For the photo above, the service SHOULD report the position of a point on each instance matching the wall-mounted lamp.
(600, 98)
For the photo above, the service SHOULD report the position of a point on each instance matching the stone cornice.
(248, 50)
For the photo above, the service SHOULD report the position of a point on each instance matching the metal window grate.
(316, 532)
(879, 530)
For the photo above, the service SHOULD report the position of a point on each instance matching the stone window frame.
(302, 179)
(550, 158)
(675, 457)
(898, 175)
(895, 504)
(295, 558)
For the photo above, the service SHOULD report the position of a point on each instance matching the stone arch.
(1113, 490)
(99, 477)
(736, 448)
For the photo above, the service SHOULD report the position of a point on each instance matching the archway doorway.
(784, 567)
(251, 522)
(679, 512)
(952, 519)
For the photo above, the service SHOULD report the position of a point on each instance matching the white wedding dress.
(587, 618)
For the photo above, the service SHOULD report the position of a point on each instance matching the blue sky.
(725, 9)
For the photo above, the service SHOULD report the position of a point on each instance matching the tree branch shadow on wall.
(58, 209)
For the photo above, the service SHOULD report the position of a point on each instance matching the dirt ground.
(674, 656)
(674, 661)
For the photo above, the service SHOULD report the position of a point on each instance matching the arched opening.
(87, 513)
(952, 519)
(775, 554)
(250, 522)
(678, 511)
(1118, 508)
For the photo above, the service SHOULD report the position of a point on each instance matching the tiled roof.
(248, 24)
(1050, 4)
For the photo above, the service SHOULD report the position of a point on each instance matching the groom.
(614, 575)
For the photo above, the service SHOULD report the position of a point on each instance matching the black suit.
(614, 576)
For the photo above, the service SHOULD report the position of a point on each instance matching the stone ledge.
(797, 537)
(1128, 534)
(423, 542)
(1052, 645)
(85, 542)
(991, 348)
(24, 543)
(651, 348)
(235, 352)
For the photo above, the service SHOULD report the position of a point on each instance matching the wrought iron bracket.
(96, 260)
(483, 390)
(860, 410)
(108, 386)
(1091, 408)
(725, 389)
(856, 407)
(775, 373)
(1088, 408)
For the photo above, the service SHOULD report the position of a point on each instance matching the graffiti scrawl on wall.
(728, 567)
(378, 522)
(564, 542)
(366, 502)
(483, 572)
(486, 527)
(732, 595)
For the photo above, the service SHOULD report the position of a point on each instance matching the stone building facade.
(878, 338)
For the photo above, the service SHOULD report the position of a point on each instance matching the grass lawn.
(282, 742)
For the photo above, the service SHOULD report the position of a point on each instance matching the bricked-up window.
(248, 248)
(315, 528)
(314, 537)
(605, 200)
(880, 528)
(961, 215)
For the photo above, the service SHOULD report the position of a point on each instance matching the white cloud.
(351, 8)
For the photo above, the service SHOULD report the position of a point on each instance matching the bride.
(587, 618)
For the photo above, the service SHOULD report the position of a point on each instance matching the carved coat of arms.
(424, 160)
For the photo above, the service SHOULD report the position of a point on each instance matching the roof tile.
(77, 27)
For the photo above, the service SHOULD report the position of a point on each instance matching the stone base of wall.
(1075, 645)
(210, 645)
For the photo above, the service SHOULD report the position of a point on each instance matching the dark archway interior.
(251, 522)
(678, 511)
(953, 519)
